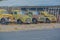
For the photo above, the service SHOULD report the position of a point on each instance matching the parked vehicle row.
(15, 16)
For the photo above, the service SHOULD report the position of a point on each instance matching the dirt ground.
(18, 27)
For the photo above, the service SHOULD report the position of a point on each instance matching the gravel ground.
(18, 27)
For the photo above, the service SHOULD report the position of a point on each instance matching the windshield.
(17, 12)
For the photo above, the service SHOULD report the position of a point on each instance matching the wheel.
(34, 21)
(47, 20)
(4, 21)
(19, 21)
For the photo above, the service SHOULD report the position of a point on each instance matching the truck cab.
(20, 18)
(48, 17)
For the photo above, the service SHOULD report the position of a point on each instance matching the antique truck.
(21, 18)
(5, 16)
(42, 16)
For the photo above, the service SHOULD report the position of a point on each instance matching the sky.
(30, 2)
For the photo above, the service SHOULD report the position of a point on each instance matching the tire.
(19, 21)
(3, 21)
(47, 20)
(34, 20)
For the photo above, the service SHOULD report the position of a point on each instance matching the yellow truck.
(42, 17)
(20, 18)
(48, 17)
(5, 16)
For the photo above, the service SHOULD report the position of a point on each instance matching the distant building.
(55, 10)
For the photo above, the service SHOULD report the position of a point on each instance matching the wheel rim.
(19, 21)
(2, 21)
(48, 21)
(34, 21)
